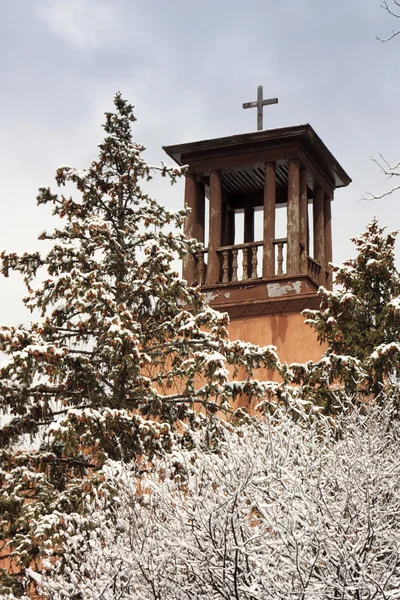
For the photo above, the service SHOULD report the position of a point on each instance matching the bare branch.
(386, 7)
(389, 171)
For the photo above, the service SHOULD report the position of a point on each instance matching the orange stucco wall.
(295, 341)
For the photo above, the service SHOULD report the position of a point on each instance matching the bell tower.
(239, 188)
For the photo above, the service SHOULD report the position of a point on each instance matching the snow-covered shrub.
(286, 509)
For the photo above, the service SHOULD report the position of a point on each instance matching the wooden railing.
(242, 262)
(200, 267)
(314, 268)
(280, 244)
(232, 256)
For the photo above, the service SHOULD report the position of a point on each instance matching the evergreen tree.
(124, 353)
(360, 322)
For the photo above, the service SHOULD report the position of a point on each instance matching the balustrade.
(200, 267)
(281, 245)
(314, 268)
(232, 256)
(241, 262)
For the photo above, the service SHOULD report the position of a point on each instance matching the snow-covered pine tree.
(360, 321)
(123, 355)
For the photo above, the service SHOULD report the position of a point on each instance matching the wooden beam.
(241, 201)
(328, 238)
(316, 174)
(293, 218)
(319, 231)
(242, 159)
(214, 242)
(269, 220)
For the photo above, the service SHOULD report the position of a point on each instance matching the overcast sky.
(187, 67)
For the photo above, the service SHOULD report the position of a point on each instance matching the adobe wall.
(295, 341)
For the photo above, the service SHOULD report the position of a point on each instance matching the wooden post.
(293, 218)
(328, 238)
(214, 241)
(269, 220)
(304, 250)
(319, 233)
(194, 222)
(188, 268)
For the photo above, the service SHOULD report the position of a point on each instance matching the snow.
(280, 499)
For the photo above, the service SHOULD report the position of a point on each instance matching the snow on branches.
(302, 509)
(360, 321)
(124, 350)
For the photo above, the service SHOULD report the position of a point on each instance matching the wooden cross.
(259, 105)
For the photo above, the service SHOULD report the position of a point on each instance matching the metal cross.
(259, 105)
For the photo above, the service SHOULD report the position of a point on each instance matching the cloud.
(85, 24)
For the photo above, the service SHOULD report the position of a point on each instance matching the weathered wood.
(242, 159)
(240, 201)
(328, 238)
(245, 264)
(293, 218)
(315, 172)
(234, 265)
(200, 268)
(259, 104)
(314, 269)
(254, 262)
(319, 233)
(214, 241)
(280, 258)
(269, 220)
(300, 136)
(188, 267)
(304, 251)
(225, 266)
(240, 246)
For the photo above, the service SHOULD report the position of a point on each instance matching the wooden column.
(304, 250)
(319, 231)
(328, 238)
(188, 268)
(214, 235)
(269, 220)
(194, 222)
(293, 218)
